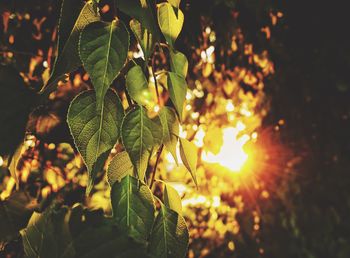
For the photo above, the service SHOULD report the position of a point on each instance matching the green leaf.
(72, 21)
(172, 199)
(144, 37)
(170, 125)
(72, 233)
(175, 3)
(94, 235)
(15, 212)
(103, 49)
(139, 135)
(188, 153)
(16, 103)
(137, 86)
(107, 241)
(170, 24)
(177, 87)
(119, 167)
(95, 133)
(169, 237)
(141, 11)
(178, 63)
(41, 238)
(133, 207)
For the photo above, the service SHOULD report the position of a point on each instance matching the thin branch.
(163, 45)
(160, 72)
(114, 9)
(159, 152)
(155, 80)
(128, 98)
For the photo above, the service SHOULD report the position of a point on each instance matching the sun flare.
(231, 154)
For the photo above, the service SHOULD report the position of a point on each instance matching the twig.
(155, 80)
(128, 98)
(159, 152)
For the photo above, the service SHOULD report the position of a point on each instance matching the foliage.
(98, 120)
(14, 213)
(14, 120)
(291, 197)
(76, 232)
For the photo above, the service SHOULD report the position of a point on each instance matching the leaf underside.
(119, 167)
(139, 135)
(94, 133)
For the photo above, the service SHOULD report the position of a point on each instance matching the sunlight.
(231, 154)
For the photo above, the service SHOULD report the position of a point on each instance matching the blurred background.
(268, 108)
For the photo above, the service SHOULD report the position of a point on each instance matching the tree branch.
(159, 152)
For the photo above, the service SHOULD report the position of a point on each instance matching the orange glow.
(231, 154)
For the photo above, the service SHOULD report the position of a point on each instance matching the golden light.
(231, 154)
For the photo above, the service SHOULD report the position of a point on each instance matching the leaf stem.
(159, 152)
(155, 81)
(128, 98)
(163, 45)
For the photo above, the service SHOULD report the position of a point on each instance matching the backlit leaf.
(178, 63)
(170, 24)
(170, 125)
(103, 49)
(137, 86)
(95, 133)
(177, 87)
(141, 11)
(144, 37)
(188, 153)
(172, 199)
(72, 21)
(175, 3)
(133, 207)
(169, 237)
(139, 135)
(119, 167)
